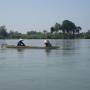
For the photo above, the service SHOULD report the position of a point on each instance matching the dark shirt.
(20, 43)
(48, 44)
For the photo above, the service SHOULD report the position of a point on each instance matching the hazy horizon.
(39, 15)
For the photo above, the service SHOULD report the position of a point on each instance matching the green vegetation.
(66, 30)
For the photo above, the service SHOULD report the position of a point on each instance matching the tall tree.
(52, 29)
(3, 31)
(68, 26)
(57, 27)
(78, 28)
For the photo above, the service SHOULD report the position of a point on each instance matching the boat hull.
(31, 47)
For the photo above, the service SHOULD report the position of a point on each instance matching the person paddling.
(20, 43)
(47, 43)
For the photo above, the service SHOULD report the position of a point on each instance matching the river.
(66, 68)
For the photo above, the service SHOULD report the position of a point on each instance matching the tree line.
(66, 30)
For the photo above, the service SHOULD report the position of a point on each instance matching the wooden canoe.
(32, 47)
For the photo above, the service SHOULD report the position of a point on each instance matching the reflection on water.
(20, 49)
(47, 51)
(69, 44)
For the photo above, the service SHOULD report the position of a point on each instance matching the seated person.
(20, 43)
(47, 43)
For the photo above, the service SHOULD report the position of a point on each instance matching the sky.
(39, 15)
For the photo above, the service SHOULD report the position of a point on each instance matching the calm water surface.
(67, 68)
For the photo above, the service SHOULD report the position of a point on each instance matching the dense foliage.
(66, 30)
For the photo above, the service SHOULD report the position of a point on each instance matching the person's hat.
(20, 39)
